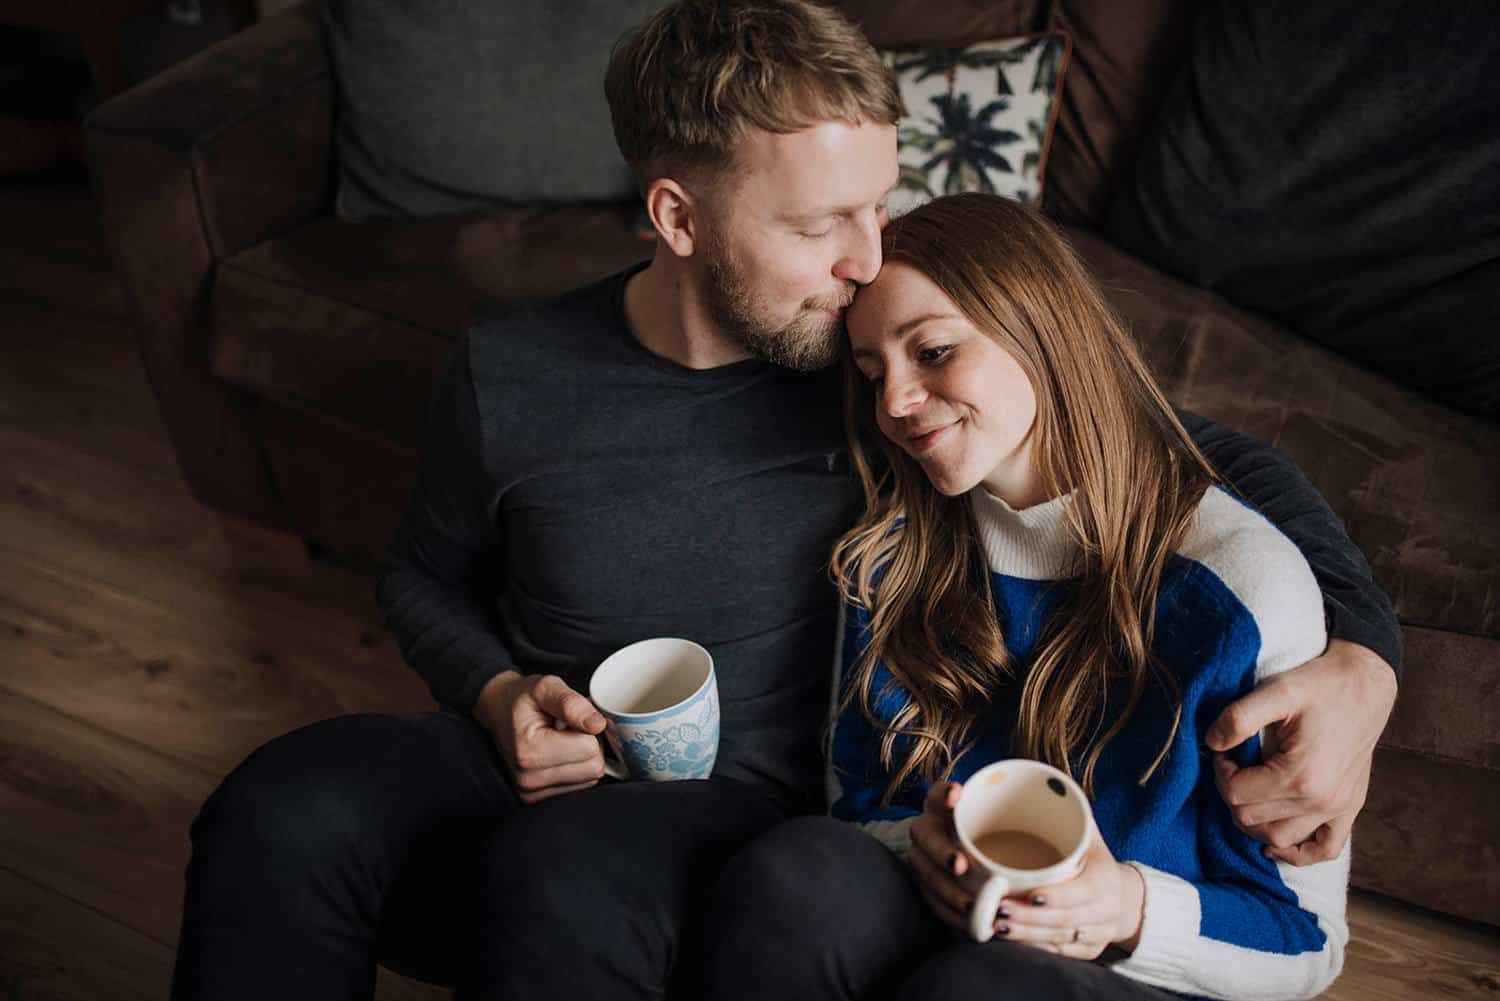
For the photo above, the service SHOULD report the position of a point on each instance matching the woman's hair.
(1104, 434)
(690, 81)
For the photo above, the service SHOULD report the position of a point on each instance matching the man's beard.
(808, 343)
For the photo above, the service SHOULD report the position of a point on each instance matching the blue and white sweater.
(1237, 604)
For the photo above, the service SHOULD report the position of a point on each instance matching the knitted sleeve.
(1232, 923)
(855, 777)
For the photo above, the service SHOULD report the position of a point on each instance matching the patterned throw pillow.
(978, 118)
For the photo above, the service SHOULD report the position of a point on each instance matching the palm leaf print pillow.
(978, 118)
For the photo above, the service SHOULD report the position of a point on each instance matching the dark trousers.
(818, 909)
(396, 838)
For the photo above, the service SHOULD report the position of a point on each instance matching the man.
(657, 454)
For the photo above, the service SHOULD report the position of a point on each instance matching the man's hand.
(1326, 717)
(546, 732)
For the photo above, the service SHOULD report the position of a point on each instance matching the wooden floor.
(147, 645)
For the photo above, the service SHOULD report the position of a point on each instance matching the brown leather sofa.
(292, 355)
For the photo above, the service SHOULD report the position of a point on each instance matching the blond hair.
(690, 81)
(1103, 433)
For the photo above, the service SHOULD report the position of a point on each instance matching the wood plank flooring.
(147, 645)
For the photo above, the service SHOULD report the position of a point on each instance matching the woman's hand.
(1102, 905)
(938, 860)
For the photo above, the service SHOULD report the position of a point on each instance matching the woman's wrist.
(1133, 907)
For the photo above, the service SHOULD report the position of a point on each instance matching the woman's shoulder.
(1264, 572)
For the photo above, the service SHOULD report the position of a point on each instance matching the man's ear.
(674, 214)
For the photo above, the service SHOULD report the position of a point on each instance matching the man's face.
(792, 233)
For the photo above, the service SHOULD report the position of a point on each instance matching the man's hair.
(692, 80)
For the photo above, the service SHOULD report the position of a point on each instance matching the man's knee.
(814, 908)
(807, 871)
(292, 803)
(966, 970)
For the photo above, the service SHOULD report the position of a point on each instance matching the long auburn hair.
(1104, 434)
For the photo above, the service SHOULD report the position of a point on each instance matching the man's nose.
(860, 262)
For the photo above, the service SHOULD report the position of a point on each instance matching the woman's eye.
(816, 236)
(929, 355)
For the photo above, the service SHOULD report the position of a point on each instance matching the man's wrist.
(1379, 636)
(495, 698)
(1371, 667)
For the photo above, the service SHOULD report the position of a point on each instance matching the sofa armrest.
(217, 154)
(251, 122)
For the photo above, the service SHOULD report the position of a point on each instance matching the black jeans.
(397, 838)
(818, 909)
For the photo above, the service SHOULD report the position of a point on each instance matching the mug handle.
(986, 906)
(614, 767)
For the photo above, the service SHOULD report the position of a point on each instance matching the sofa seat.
(354, 320)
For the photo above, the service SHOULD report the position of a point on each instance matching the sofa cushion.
(977, 118)
(1338, 166)
(1125, 56)
(455, 107)
(353, 319)
(1416, 484)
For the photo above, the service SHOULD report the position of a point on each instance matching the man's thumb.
(560, 702)
(1248, 715)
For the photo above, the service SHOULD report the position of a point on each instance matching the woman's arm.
(1304, 803)
(856, 779)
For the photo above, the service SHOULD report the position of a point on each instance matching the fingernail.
(1004, 913)
(1003, 930)
(1038, 899)
(953, 862)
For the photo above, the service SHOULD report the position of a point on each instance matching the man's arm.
(1328, 714)
(1356, 608)
(442, 574)
(444, 566)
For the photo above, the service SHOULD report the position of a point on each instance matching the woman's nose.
(902, 397)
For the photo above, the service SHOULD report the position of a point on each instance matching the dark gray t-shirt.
(578, 493)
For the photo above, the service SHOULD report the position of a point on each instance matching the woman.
(1045, 569)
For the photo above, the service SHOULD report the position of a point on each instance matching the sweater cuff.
(1344, 624)
(894, 834)
(1169, 930)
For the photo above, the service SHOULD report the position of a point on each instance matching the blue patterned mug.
(661, 699)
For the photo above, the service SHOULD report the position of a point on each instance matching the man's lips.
(926, 438)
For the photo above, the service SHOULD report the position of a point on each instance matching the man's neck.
(666, 311)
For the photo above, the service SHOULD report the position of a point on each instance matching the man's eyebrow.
(904, 329)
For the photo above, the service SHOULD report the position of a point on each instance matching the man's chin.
(804, 349)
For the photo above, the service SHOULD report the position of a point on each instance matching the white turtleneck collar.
(1034, 542)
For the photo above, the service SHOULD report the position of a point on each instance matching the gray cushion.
(448, 107)
(1337, 165)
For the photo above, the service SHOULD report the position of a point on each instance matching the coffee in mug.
(1017, 850)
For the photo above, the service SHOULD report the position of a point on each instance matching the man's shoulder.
(570, 325)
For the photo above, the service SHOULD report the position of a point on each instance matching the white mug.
(661, 699)
(1029, 797)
